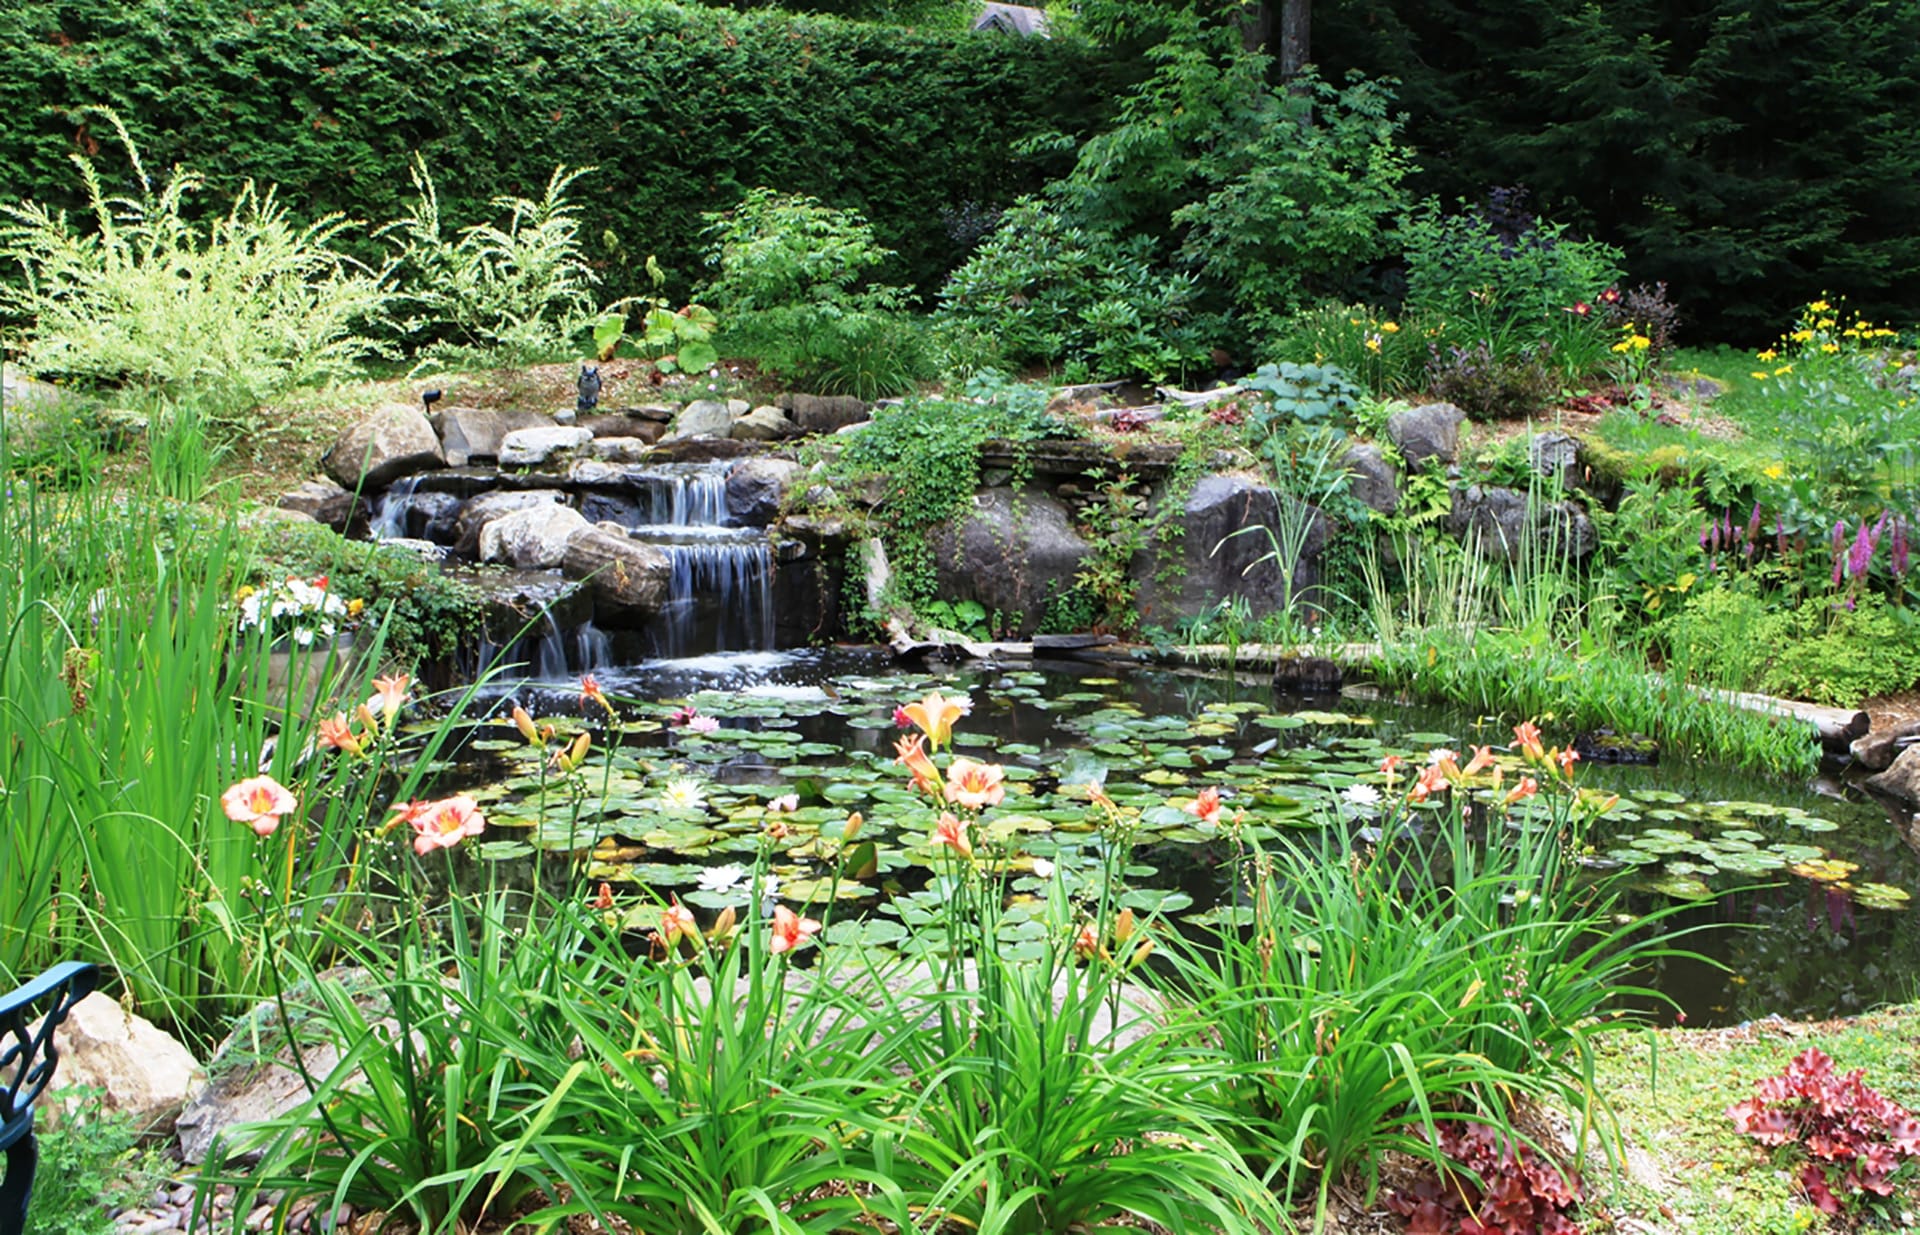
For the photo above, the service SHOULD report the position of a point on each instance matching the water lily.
(912, 753)
(444, 824)
(1361, 795)
(722, 879)
(683, 794)
(975, 785)
(789, 930)
(784, 803)
(258, 802)
(935, 715)
(703, 724)
(1043, 868)
(951, 831)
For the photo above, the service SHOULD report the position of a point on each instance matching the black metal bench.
(27, 1060)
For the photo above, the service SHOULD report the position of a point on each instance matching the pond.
(1804, 896)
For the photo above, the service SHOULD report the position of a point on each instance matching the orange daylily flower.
(590, 693)
(1527, 735)
(1481, 761)
(789, 930)
(677, 922)
(336, 734)
(926, 777)
(935, 715)
(258, 802)
(975, 785)
(1525, 789)
(952, 831)
(444, 824)
(1566, 759)
(1086, 944)
(1205, 807)
(1433, 778)
(389, 694)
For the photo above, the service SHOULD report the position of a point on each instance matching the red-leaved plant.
(1856, 1145)
(1519, 1193)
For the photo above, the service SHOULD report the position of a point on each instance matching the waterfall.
(390, 509)
(720, 597)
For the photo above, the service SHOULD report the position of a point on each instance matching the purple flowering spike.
(1861, 555)
(1898, 550)
(1880, 526)
(1839, 537)
(1753, 524)
(1713, 535)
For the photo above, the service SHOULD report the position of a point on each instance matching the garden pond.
(1799, 897)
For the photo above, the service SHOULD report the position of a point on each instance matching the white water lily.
(684, 794)
(722, 878)
(1361, 795)
(1043, 868)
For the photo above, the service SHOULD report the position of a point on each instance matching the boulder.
(141, 1072)
(253, 1077)
(647, 430)
(323, 501)
(1372, 480)
(660, 413)
(531, 539)
(823, 413)
(431, 516)
(764, 424)
(1877, 751)
(395, 441)
(630, 580)
(1431, 431)
(1499, 519)
(620, 449)
(702, 418)
(1230, 528)
(530, 447)
(702, 449)
(480, 511)
(756, 488)
(1012, 552)
(474, 435)
(1554, 455)
(1901, 780)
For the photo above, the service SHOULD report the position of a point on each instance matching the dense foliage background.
(681, 110)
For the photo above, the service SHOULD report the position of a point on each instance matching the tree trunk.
(1296, 43)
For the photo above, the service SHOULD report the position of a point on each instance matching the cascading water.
(389, 520)
(720, 597)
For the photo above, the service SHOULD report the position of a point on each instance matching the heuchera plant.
(1857, 1145)
(1520, 1193)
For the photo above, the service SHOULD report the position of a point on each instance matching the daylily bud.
(1140, 954)
(1123, 926)
(524, 723)
(853, 827)
(723, 925)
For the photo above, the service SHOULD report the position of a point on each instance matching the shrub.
(86, 1167)
(235, 311)
(1488, 383)
(1828, 652)
(1387, 355)
(1497, 274)
(521, 287)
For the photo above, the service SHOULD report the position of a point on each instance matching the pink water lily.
(258, 802)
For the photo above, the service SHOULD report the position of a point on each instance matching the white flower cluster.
(303, 609)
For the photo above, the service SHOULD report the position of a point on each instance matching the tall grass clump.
(1456, 968)
(230, 312)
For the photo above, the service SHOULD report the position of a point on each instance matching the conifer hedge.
(682, 110)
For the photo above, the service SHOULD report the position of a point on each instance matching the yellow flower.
(1640, 342)
(1783, 369)
(1769, 354)
(1760, 376)
(1829, 348)
(1801, 336)
(1826, 323)
(1390, 327)
(1819, 306)
(1373, 342)
(1774, 471)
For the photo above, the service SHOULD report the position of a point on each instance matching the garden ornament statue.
(27, 1059)
(589, 388)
